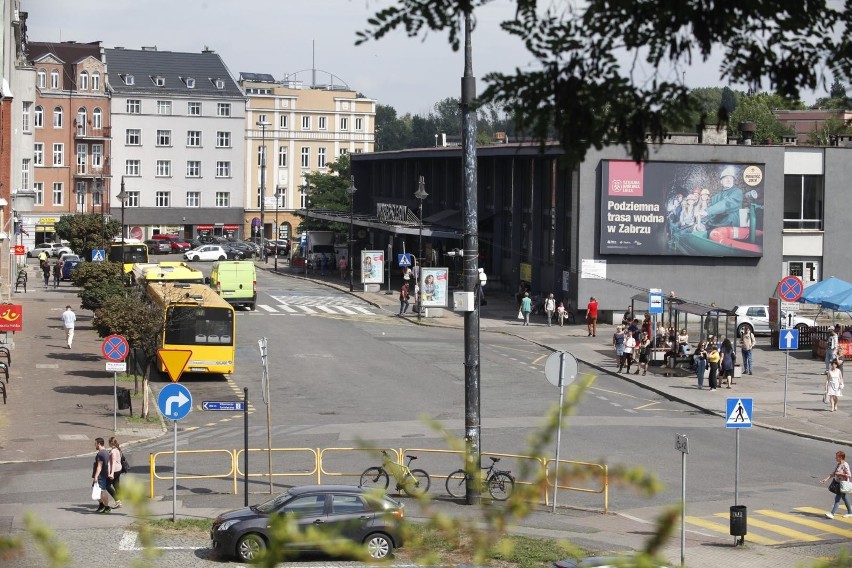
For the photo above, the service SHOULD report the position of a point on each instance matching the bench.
(5, 352)
(21, 281)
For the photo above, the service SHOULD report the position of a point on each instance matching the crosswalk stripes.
(768, 527)
(295, 304)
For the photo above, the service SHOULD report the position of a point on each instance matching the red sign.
(204, 227)
(790, 288)
(20, 250)
(115, 348)
(11, 317)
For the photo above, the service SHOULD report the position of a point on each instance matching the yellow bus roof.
(166, 271)
(185, 294)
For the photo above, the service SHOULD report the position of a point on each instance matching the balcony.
(87, 172)
(86, 132)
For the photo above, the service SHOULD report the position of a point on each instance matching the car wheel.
(743, 328)
(379, 546)
(249, 547)
(221, 258)
(193, 258)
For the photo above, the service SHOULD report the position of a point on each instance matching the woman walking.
(700, 359)
(713, 360)
(114, 471)
(550, 308)
(644, 353)
(560, 314)
(727, 353)
(618, 343)
(834, 384)
(841, 473)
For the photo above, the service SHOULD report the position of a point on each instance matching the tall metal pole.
(307, 217)
(351, 191)
(263, 125)
(420, 194)
(122, 195)
(277, 230)
(472, 424)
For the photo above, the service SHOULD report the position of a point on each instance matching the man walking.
(592, 317)
(403, 299)
(68, 320)
(100, 473)
(747, 342)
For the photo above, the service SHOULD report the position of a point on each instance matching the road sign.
(115, 348)
(738, 413)
(232, 405)
(790, 288)
(404, 260)
(791, 307)
(20, 250)
(655, 301)
(120, 367)
(552, 368)
(174, 401)
(174, 360)
(98, 255)
(682, 443)
(789, 339)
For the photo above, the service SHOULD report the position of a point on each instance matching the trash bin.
(123, 399)
(739, 520)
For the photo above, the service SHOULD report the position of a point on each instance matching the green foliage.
(827, 129)
(759, 109)
(98, 282)
(838, 90)
(328, 191)
(585, 85)
(130, 314)
(54, 550)
(87, 231)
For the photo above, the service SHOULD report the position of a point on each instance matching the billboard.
(682, 208)
(433, 287)
(372, 266)
(11, 317)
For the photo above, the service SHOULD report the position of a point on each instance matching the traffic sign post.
(788, 339)
(115, 349)
(655, 307)
(682, 445)
(174, 402)
(738, 415)
(560, 369)
(790, 288)
(98, 255)
(227, 405)
(404, 260)
(174, 360)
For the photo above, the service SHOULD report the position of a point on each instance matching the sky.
(280, 37)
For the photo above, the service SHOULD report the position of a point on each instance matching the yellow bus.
(197, 319)
(168, 271)
(129, 253)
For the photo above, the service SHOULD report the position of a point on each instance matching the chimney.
(747, 129)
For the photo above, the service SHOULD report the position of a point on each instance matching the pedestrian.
(45, 268)
(403, 299)
(526, 307)
(100, 471)
(831, 348)
(618, 344)
(644, 353)
(747, 342)
(342, 265)
(713, 358)
(550, 308)
(841, 473)
(728, 355)
(57, 273)
(560, 314)
(629, 346)
(592, 317)
(42, 256)
(834, 385)
(700, 358)
(627, 318)
(115, 471)
(68, 320)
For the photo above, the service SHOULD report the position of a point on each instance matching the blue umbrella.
(816, 293)
(841, 301)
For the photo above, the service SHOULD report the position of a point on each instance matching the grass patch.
(528, 552)
(126, 378)
(186, 527)
(153, 418)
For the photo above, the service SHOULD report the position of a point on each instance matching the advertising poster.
(11, 317)
(433, 287)
(682, 208)
(372, 267)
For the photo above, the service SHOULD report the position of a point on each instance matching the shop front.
(228, 231)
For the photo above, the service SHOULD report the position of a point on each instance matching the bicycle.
(500, 483)
(414, 482)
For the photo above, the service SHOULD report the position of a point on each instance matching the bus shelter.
(698, 320)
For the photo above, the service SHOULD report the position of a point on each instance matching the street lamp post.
(278, 195)
(122, 196)
(306, 189)
(263, 124)
(99, 191)
(351, 191)
(420, 194)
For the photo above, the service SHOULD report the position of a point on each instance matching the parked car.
(232, 252)
(60, 249)
(281, 248)
(756, 318)
(46, 247)
(158, 246)
(206, 252)
(69, 265)
(247, 249)
(347, 513)
(177, 244)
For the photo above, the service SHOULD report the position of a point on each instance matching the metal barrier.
(153, 467)
(314, 471)
(604, 474)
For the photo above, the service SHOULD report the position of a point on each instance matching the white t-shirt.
(68, 318)
(629, 343)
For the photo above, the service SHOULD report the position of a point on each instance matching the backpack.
(125, 465)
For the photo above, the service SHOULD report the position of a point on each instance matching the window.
(282, 157)
(82, 158)
(97, 119)
(190, 83)
(25, 174)
(282, 122)
(57, 117)
(162, 198)
(132, 167)
(344, 123)
(38, 117)
(42, 78)
(57, 193)
(164, 107)
(261, 155)
(82, 122)
(359, 123)
(803, 202)
(96, 81)
(54, 79)
(322, 123)
(223, 199)
(193, 138)
(320, 157)
(306, 157)
(38, 187)
(261, 118)
(223, 139)
(159, 81)
(343, 151)
(134, 106)
(38, 153)
(132, 199)
(25, 116)
(193, 199)
(97, 155)
(193, 109)
(164, 168)
(164, 138)
(133, 137)
(58, 154)
(193, 169)
(129, 80)
(223, 109)
(84, 81)
(97, 198)
(220, 84)
(223, 169)
(306, 123)
(347, 505)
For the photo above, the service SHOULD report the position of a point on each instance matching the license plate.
(227, 293)
(197, 369)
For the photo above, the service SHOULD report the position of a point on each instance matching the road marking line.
(346, 311)
(644, 406)
(821, 513)
(128, 540)
(825, 527)
(307, 310)
(539, 358)
(362, 310)
(326, 309)
(288, 309)
(791, 533)
(725, 529)
(267, 308)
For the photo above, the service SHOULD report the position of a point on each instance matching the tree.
(838, 90)
(98, 282)
(392, 133)
(328, 191)
(583, 91)
(87, 231)
(759, 109)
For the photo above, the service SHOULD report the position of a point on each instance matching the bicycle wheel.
(374, 478)
(500, 486)
(417, 483)
(456, 482)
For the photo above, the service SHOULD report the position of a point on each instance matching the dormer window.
(220, 83)
(190, 83)
(129, 80)
(159, 81)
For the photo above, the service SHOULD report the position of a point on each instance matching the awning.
(393, 227)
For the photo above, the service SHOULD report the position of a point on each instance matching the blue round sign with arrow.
(174, 401)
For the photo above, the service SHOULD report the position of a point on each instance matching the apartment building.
(301, 129)
(179, 126)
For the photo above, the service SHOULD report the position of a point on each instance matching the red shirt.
(592, 309)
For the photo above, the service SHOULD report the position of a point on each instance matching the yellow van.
(235, 281)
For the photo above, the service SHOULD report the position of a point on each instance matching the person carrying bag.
(841, 484)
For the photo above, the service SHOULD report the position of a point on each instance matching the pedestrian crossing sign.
(738, 413)
(98, 255)
(404, 260)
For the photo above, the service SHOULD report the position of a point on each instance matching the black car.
(342, 512)
(232, 252)
(247, 249)
(281, 248)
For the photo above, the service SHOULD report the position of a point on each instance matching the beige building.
(303, 129)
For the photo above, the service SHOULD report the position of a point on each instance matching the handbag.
(125, 465)
(520, 315)
(96, 492)
(825, 398)
(846, 486)
(834, 486)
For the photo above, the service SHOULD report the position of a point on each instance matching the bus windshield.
(196, 325)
